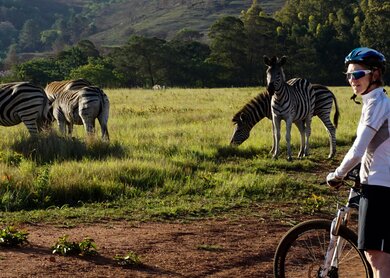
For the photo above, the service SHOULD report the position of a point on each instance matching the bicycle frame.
(336, 243)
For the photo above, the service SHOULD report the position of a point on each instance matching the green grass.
(168, 157)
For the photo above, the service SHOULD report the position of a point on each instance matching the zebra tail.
(337, 113)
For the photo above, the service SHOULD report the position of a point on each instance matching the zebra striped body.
(260, 107)
(57, 87)
(292, 102)
(23, 102)
(74, 103)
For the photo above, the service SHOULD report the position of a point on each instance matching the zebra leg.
(301, 127)
(288, 138)
(103, 126)
(308, 133)
(103, 118)
(276, 128)
(89, 107)
(273, 139)
(31, 122)
(89, 126)
(70, 128)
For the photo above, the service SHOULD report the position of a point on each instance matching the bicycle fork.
(336, 243)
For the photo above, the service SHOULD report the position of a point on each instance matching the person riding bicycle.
(365, 68)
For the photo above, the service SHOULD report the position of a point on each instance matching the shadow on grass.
(51, 147)
(224, 152)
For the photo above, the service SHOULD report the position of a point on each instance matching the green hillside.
(116, 22)
(30, 27)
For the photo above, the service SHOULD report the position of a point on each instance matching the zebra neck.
(280, 90)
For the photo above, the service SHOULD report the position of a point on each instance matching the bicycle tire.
(301, 252)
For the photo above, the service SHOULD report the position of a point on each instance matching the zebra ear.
(267, 61)
(282, 61)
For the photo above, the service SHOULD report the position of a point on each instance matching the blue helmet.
(366, 56)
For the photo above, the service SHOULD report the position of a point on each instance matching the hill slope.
(116, 22)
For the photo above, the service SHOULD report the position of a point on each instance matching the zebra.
(260, 107)
(56, 87)
(291, 101)
(75, 102)
(24, 102)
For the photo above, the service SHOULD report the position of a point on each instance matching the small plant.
(10, 237)
(313, 204)
(130, 259)
(66, 248)
(210, 247)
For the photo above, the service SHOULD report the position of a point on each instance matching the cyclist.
(365, 68)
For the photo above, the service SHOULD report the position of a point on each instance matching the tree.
(228, 50)
(74, 57)
(187, 66)
(143, 60)
(187, 35)
(97, 71)
(29, 36)
(262, 37)
(8, 34)
(12, 57)
(318, 34)
(48, 38)
(374, 32)
(39, 71)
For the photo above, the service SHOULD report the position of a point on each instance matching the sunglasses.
(357, 74)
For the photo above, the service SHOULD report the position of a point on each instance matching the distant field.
(168, 157)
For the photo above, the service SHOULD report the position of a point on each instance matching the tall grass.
(168, 155)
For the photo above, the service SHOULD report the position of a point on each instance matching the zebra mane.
(263, 97)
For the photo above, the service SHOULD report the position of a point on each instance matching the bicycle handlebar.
(353, 175)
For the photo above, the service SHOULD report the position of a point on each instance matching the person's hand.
(334, 181)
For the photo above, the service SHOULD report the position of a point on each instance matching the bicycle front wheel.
(302, 250)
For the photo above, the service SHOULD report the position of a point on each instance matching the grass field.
(169, 157)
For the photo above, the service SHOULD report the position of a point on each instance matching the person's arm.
(356, 152)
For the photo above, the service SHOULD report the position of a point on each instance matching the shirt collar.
(373, 94)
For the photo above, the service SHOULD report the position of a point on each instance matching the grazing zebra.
(260, 107)
(291, 101)
(57, 87)
(74, 102)
(24, 102)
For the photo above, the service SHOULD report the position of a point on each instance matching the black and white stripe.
(57, 87)
(23, 102)
(260, 107)
(293, 102)
(74, 103)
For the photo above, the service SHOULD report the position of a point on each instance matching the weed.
(209, 247)
(10, 237)
(131, 258)
(83, 248)
(313, 204)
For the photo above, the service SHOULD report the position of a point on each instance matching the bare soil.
(230, 246)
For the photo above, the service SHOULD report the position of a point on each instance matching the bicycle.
(324, 248)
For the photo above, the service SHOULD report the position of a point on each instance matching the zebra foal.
(78, 102)
(55, 88)
(292, 102)
(24, 102)
(260, 107)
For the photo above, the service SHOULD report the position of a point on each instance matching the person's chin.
(357, 90)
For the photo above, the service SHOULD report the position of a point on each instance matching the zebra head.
(242, 129)
(275, 73)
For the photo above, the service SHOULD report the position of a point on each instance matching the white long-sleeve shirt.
(372, 144)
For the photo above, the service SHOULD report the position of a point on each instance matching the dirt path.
(234, 247)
